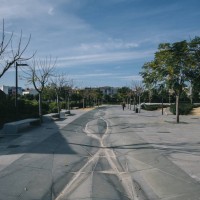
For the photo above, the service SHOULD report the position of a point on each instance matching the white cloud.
(103, 58)
(111, 44)
(132, 78)
(22, 8)
(76, 76)
(51, 11)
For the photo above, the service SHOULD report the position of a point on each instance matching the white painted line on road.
(124, 176)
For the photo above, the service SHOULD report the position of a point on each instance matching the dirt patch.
(196, 111)
(87, 109)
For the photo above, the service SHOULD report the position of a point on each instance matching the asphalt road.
(106, 153)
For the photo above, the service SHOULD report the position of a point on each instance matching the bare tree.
(38, 74)
(138, 89)
(9, 54)
(60, 83)
(68, 92)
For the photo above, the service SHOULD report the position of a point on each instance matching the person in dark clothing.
(123, 105)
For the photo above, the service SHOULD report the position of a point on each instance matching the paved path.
(106, 153)
(26, 159)
(163, 157)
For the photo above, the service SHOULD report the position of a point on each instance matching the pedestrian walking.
(123, 105)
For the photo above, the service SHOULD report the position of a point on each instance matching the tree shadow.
(184, 146)
(50, 137)
(39, 162)
(174, 122)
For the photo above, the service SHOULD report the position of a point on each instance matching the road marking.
(124, 175)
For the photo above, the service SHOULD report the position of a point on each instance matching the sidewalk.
(180, 143)
(31, 136)
(160, 156)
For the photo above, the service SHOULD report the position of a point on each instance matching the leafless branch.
(9, 55)
(4, 44)
(39, 72)
(138, 87)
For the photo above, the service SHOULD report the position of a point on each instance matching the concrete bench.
(65, 111)
(50, 117)
(14, 127)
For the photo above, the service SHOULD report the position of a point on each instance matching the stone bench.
(14, 127)
(67, 112)
(51, 116)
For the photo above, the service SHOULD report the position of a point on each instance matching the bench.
(67, 112)
(14, 127)
(64, 113)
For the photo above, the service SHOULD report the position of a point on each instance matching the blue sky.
(99, 42)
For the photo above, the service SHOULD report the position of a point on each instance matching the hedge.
(184, 108)
(152, 107)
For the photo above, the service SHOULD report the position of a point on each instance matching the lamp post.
(16, 86)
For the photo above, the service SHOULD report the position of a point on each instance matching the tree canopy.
(175, 65)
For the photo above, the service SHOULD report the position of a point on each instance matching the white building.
(11, 90)
(4, 88)
(30, 91)
(108, 90)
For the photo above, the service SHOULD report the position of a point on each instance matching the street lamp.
(16, 86)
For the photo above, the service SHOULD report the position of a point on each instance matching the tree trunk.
(68, 103)
(40, 106)
(134, 104)
(191, 94)
(177, 108)
(58, 105)
(149, 96)
(162, 105)
(139, 105)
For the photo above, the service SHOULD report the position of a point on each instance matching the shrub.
(152, 107)
(149, 107)
(27, 109)
(76, 104)
(63, 105)
(53, 107)
(184, 109)
(45, 108)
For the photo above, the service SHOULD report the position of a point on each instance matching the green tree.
(169, 68)
(194, 71)
(124, 93)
